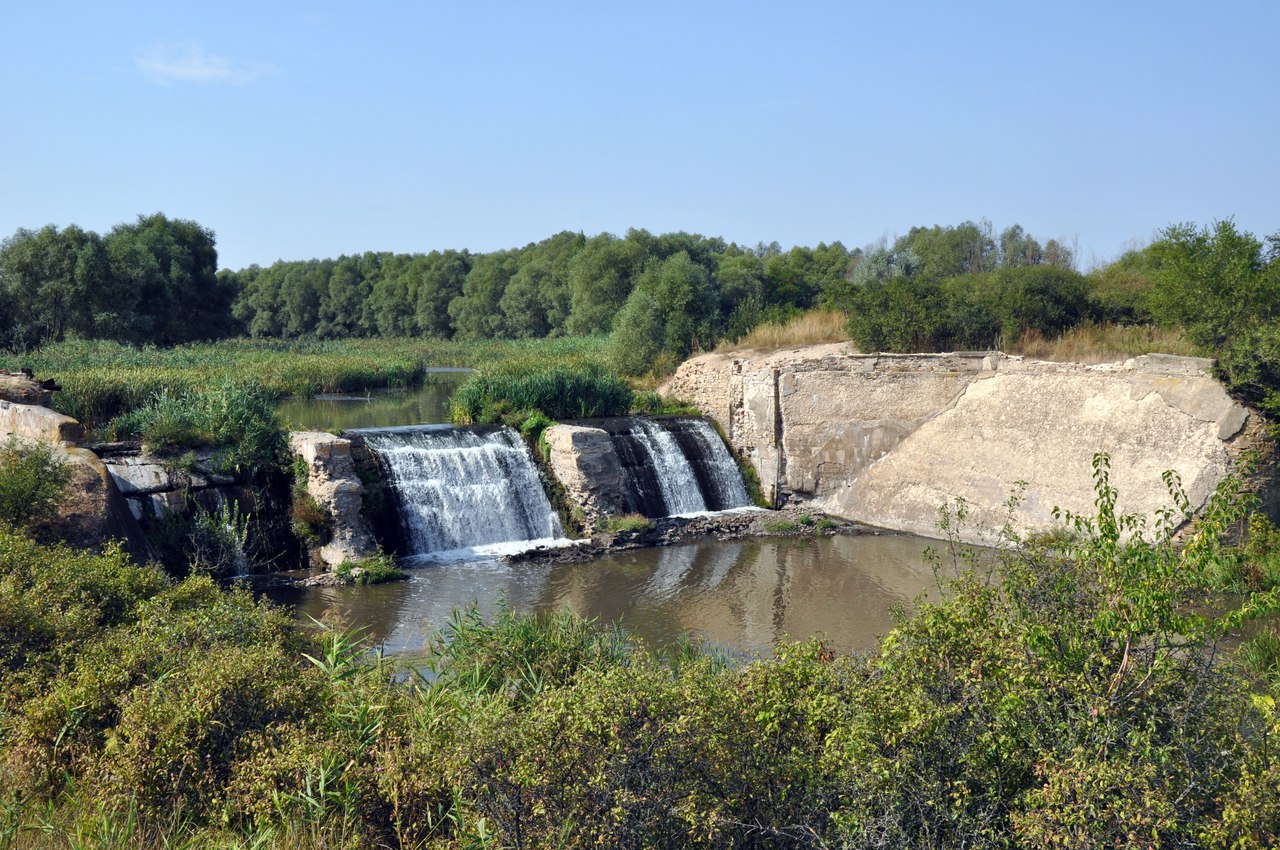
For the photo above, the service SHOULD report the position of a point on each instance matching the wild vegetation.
(1079, 701)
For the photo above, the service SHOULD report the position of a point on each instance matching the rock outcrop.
(584, 461)
(332, 481)
(93, 512)
(157, 488)
(23, 389)
(889, 439)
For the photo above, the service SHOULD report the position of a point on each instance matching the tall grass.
(560, 392)
(811, 328)
(1089, 342)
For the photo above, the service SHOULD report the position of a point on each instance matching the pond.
(743, 595)
(424, 405)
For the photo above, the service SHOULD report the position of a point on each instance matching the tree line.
(156, 281)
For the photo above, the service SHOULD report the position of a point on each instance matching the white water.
(459, 489)
(679, 485)
(726, 478)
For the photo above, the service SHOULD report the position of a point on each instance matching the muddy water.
(745, 596)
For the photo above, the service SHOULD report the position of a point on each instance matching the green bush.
(626, 524)
(970, 312)
(240, 421)
(1078, 701)
(373, 570)
(33, 482)
(558, 392)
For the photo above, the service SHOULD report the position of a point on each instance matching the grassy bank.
(144, 712)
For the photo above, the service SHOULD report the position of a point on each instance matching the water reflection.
(424, 405)
(743, 595)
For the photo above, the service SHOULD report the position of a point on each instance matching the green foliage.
(239, 420)
(375, 569)
(1080, 700)
(555, 391)
(151, 281)
(783, 526)
(1223, 287)
(626, 524)
(33, 482)
(655, 404)
(308, 518)
(218, 540)
(974, 312)
(518, 656)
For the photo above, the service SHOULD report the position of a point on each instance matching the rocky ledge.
(796, 521)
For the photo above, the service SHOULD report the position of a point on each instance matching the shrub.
(558, 392)
(308, 518)
(373, 570)
(33, 482)
(238, 420)
(217, 541)
(627, 524)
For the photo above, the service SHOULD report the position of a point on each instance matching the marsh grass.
(102, 380)
(517, 392)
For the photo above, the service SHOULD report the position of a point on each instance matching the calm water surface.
(742, 595)
(424, 405)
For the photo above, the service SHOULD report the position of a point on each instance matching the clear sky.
(298, 130)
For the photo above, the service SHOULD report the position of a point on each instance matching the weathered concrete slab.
(889, 439)
(584, 461)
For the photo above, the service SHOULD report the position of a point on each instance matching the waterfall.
(458, 488)
(717, 472)
(674, 465)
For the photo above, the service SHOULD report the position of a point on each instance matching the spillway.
(460, 488)
(674, 465)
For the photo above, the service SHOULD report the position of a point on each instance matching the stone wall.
(889, 439)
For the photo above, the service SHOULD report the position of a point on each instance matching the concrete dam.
(888, 439)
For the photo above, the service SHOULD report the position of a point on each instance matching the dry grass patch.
(1103, 343)
(812, 328)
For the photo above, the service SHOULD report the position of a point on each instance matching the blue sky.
(299, 130)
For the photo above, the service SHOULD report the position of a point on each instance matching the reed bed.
(557, 391)
(102, 380)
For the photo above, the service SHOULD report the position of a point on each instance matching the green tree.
(171, 266)
(671, 310)
(434, 284)
(476, 313)
(601, 276)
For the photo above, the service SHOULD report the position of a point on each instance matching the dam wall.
(888, 439)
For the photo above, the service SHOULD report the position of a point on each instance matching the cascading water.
(674, 465)
(717, 473)
(459, 488)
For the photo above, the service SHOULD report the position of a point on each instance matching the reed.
(559, 392)
(101, 380)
